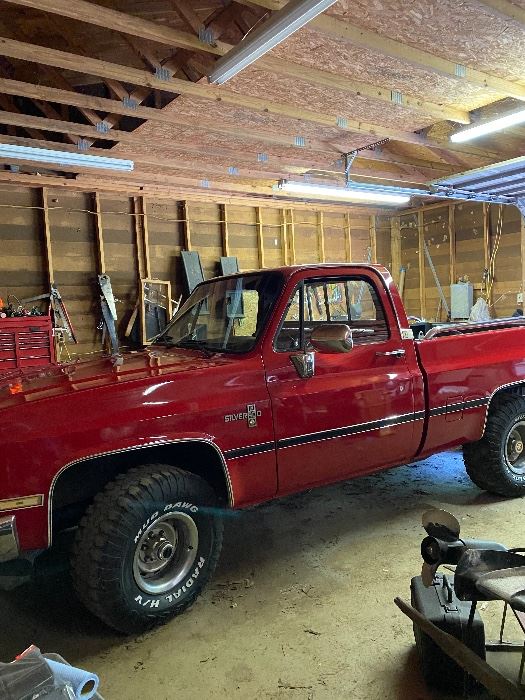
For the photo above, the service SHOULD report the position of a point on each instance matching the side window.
(351, 300)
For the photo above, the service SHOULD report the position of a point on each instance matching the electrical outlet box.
(519, 298)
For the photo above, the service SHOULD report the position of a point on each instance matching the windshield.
(225, 315)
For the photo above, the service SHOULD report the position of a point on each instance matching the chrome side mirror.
(304, 364)
(332, 338)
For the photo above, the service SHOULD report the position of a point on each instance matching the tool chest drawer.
(26, 341)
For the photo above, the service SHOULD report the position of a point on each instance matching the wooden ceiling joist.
(378, 43)
(87, 12)
(68, 61)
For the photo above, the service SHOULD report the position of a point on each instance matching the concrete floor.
(300, 606)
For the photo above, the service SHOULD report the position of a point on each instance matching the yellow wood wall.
(133, 237)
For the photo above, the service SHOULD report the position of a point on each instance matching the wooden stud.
(395, 247)
(99, 235)
(373, 240)
(452, 242)
(284, 235)
(145, 236)
(348, 237)
(139, 238)
(186, 224)
(225, 233)
(421, 251)
(320, 237)
(260, 235)
(292, 236)
(47, 238)
(486, 234)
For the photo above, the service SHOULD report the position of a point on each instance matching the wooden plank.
(320, 237)
(291, 221)
(452, 242)
(186, 225)
(373, 241)
(120, 21)
(348, 237)
(139, 238)
(284, 235)
(105, 69)
(145, 234)
(225, 233)
(99, 235)
(260, 236)
(395, 247)
(421, 261)
(383, 45)
(47, 237)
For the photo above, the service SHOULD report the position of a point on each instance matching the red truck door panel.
(356, 413)
(462, 371)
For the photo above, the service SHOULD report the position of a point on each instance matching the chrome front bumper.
(8, 539)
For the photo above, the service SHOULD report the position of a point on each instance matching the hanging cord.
(491, 272)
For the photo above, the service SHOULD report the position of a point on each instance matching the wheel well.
(513, 390)
(79, 483)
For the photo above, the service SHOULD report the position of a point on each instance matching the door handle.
(392, 353)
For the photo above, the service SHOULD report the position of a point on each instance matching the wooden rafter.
(380, 44)
(83, 11)
(69, 61)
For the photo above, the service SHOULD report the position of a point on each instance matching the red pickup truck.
(264, 384)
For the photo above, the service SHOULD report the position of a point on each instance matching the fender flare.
(142, 446)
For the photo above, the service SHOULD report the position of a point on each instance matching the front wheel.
(146, 547)
(496, 463)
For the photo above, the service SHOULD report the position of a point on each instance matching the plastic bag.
(480, 311)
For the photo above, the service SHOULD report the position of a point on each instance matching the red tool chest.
(26, 341)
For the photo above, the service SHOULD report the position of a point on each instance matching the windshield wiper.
(197, 344)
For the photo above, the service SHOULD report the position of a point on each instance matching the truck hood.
(20, 386)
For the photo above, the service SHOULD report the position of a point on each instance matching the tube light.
(354, 193)
(46, 155)
(499, 124)
(281, 25)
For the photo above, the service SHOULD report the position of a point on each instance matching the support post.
(421, 251)
(101, 258)
(395, 247)
(260, 236)
(284, 236)
(348, 238)
(186, 225)
(452, 242)
(373, 239)
(47, 239)
(320, 236)
(291, 223)
(145, 236)
(225, 234)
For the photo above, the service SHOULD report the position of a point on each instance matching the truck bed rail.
(460, 328)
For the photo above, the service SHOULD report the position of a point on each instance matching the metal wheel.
(165, 553)
(515, 448)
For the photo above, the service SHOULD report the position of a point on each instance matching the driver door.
(356, 413)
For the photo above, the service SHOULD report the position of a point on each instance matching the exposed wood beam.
(8, 104)
(119, 21)
(506, 9)
(380, 44)
(277, 168)
(77, 9)
(325, 78)
(69, 61)
(16, 87)
(188, 14)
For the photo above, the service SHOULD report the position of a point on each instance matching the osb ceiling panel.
(256, 82)
(465, 32)
(237, 117)
(316, 50)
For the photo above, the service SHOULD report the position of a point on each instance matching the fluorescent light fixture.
(281, 24)
(46, 155)
(354, 193)
(474, 132)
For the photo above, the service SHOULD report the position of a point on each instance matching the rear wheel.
(496, 463)
(146, 547)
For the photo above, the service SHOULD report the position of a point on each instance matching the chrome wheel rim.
(515, 448)
(165, 553)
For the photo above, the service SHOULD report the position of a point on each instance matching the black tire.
(122, 566)
(489, 461)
